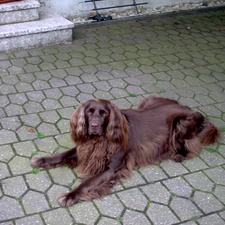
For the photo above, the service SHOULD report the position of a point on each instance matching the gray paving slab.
(179, 56)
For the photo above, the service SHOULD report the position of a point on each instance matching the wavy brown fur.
(111, 142)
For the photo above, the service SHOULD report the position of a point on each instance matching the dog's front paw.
(68, 199)
(38, 162)
(178, 158)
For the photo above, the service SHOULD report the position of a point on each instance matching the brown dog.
(112, 142)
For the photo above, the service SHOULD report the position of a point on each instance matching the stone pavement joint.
(181, 57)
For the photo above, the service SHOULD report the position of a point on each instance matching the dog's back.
(161, 128)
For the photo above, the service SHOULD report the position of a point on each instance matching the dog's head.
(98, 117)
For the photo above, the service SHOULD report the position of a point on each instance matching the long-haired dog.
(111, 142)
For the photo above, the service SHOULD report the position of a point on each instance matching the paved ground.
(181, 57)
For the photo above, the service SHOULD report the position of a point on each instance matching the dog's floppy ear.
(78, 128)
(117, 129)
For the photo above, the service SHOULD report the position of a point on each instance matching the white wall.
(73, 8)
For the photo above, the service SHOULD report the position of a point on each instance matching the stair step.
(49, 30)
(17, 12)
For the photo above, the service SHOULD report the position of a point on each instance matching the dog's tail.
(209, 133)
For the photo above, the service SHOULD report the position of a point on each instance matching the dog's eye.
(90, 111)
(102, 113)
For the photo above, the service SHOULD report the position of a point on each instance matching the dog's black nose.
(94, 125)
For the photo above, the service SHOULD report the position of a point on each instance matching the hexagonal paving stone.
(133, 199)
(122, 103)
(117, 73)
(14, 186)
(215, 174)
(103, 95)
(49, 116)
(161, 214)
(7, 89)
(134, 90)
(66, 113)
(108, 221)
(64, 126)
(184, 208)
(54, 93)
(136, 179)
(83, 97)
(34, 202)
(70, 91)
(153, 173)
(65, 140)
(47, 129)
(119, 93)
(210, 110)
(207, 202)
(7, 136)
(102, 85)
(218, 192)
(103, 67)
(194, 164)
(34, 60)
(57, 82)
(204, 100)
(18, 98)
(6, 153)
(76, 62)
(72, 80)
(204, 185)
(40, 181)
(47, 66)
(179, 186)
(36, 96)
(212, 158)
(43, 75)
(211, 219)
(4, 101)
(62, 175)
(118, 83)
(24, 148)
(16, 70)
(26, 133)
(67, 101)
(14, 110)
(30, 120)
(172, 168)
(84, 213)
(58, 73)
(5, 64)
(20, 165)
(89, 77)
(86, 88)
(30, 220)
(4, 171)
(189, 102)
(33, 107)
(47, 144)
(179, 83)
(157, 193)
(133, 218)
(10, 208)
(24, 87)
(57, 216)
(10, 123)
(110, 206)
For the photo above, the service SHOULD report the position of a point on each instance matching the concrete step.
(21, 11)
(50, 29)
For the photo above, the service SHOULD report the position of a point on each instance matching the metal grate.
(98, 17)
